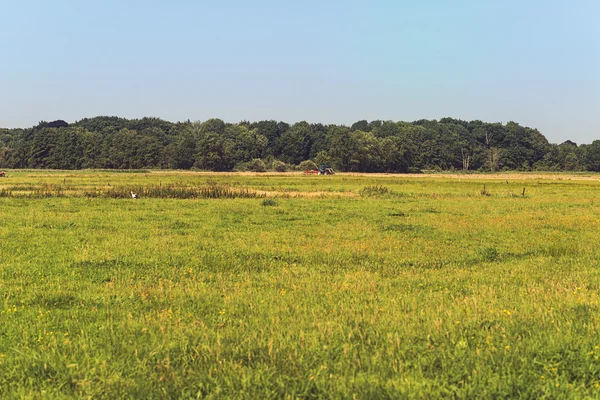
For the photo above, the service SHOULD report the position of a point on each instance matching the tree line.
(376, 146)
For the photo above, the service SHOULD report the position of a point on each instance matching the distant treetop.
(375, 146)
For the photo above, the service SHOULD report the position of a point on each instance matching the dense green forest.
(376, 146)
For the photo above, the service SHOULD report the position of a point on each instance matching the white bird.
(133, 195)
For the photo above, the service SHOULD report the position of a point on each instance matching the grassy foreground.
(331, 287)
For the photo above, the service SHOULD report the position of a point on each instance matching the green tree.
(591, 156)
(362, 125)
(214, 153)
(294, 144)
(343, 146)
(366, 156)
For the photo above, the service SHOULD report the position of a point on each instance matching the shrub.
(484, 192)
(279, 166)
(375, 190)
(488, 254)
(307, 165)
(269, 203)
(256, 165)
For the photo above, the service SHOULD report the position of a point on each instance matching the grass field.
(291, 286)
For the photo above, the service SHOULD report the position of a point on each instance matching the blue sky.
(531, 61)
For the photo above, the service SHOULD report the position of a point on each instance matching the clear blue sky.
(536, 62)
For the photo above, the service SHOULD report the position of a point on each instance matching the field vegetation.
(292, 286)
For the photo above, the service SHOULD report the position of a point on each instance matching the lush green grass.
(330, 287)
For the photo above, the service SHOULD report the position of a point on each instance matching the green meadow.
(291, 286)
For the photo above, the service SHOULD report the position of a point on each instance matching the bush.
(488, 254)
(256, 165)
(279, 166)
(307, 165)
(269, 203)
(375, 191)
